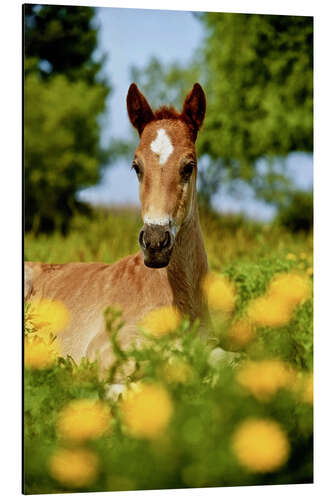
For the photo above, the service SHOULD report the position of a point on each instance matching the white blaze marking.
(157, 221)
(162, 146)
(162, 221)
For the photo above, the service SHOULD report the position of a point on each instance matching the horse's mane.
(167, 112)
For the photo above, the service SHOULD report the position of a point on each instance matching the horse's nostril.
(154, 238)
(141, 239)
(167, 240)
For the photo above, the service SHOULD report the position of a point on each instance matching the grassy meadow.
(191, 416)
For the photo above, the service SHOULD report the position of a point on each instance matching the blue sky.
(132, 37)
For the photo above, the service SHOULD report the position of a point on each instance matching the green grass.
(196, 448)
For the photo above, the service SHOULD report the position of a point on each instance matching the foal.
(172, 261)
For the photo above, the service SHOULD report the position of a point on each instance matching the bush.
(297, 214)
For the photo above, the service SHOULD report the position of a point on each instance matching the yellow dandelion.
(291, 256)
(260, 445)
(74, 467)
(309, 271)
(290, 287)
(285, 292)
(269, 311)
(83, 419)
(161, 321)
(264, 378)
(48, 316)
(303, 255)
(146, 410)
(219, 292)
(241, 332)
(176, 371)
(40, 354)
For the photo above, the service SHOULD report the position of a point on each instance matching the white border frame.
(11, 244)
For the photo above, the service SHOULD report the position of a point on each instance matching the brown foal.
(172, 262)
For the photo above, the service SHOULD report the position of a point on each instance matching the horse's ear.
(138, 109)
(194, 108)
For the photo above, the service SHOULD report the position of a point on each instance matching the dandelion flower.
(241, 332)
(40, 354)
(146, 410)
(260, 445)
(74, 467)
(264, 378)
(219, 292)
(176, 371)
(285, 292)
(303, 255)
(161, 321)
(48, 316)
(84, 419)
(269, 311)
(290, 287)
(291, 256)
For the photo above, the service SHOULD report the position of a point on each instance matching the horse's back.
(86, 289)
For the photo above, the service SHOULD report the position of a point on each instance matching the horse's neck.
(188, 265)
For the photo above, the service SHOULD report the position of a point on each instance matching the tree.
(260, 86)
(64, 99)
(62, 39)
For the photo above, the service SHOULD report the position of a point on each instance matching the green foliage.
(108, 235)
(196, 448)
(64, 99)
(261, 103)
(61, 39)
(297, 213)
(61, 146)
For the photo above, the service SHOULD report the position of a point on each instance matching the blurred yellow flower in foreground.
(84, 419)
(40, 354)
(146, 410)
(264, 378)
(241, 332)
(309, 271)
(290, 287)
(176, 371)
(48, 316)
(269, 311)
(219, 292)
(285, 292)
(291, 256)
(74, 467)
(161, 321)
(260, 445)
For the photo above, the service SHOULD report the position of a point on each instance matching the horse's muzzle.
(156, 243)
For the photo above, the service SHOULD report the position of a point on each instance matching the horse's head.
(166, 165)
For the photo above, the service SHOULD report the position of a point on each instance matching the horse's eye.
(187, 170)
(137, 169)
